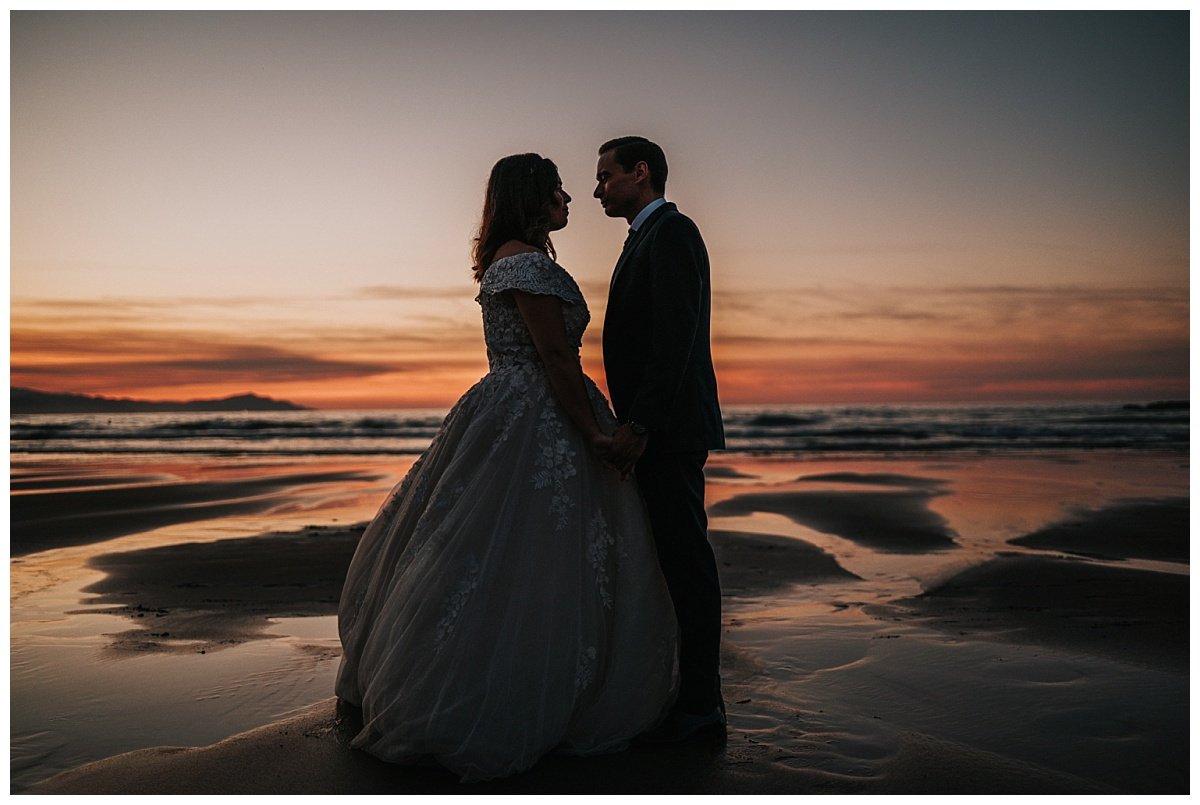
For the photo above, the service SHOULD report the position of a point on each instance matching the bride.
(506, 600)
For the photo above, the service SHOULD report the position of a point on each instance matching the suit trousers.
(672, 485)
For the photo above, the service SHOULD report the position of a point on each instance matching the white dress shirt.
(645, 213)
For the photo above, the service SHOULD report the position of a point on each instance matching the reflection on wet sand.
(205, 596)
(64, 508)
(882, 634)
(1125, 529)
(1137, 616)
(887, 521)
(751, 563)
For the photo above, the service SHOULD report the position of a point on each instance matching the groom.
(664, 392)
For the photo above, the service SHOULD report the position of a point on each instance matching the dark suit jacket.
(657, 358)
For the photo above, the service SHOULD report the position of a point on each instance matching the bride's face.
(558, 208)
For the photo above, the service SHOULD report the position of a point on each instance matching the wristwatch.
(638, 428)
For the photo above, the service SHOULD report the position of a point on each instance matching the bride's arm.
(544, 318)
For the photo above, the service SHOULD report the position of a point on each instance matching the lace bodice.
(504, 332)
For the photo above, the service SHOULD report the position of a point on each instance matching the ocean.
(798, 430)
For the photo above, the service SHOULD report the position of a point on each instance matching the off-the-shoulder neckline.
(522, 254)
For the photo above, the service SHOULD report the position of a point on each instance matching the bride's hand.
(601, 446)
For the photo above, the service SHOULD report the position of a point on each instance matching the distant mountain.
(32, 401)
(1164, 405)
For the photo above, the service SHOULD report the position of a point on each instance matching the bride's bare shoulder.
(514, 247)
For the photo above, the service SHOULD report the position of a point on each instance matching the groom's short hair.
(629, 151)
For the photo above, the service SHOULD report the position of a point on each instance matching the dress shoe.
(678, 727)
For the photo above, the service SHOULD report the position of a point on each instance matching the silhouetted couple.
(515, 594)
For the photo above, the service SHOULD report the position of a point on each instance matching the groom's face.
(618, 191)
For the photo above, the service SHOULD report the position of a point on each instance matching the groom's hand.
(601, 446)
(627, 448)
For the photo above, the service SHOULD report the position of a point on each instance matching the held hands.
(627, 447)
(620, 451)
(601, 446)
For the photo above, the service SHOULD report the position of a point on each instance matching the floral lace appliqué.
(521, 393)
(454, 604)
(555, 463)
(443, 499)
(585, 668)
(504, 332)
(599, 540)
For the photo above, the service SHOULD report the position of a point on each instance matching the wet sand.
(209, 595)
(890, 627)
(92, 507)
(206, 596)
(1136, 616)
(1127, 529)
(309, 753)
(894, 521)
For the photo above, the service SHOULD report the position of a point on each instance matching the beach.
(957, 623)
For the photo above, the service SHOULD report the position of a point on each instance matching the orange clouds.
(861, 344)
(952, 344)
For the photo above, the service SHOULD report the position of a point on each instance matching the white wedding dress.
(506, 600)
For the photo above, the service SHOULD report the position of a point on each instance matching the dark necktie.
(625, 247)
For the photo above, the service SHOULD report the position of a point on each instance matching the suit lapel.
(625, 255)
(637, 238)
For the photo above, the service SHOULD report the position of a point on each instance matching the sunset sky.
(898, 206)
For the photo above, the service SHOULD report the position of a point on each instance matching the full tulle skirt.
(506, 600)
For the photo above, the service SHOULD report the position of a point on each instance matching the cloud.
(819, 344)
(946, 314)
(950, 343)
(409, 292)
(238, 364)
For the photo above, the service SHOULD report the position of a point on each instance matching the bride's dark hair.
(516, 206)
